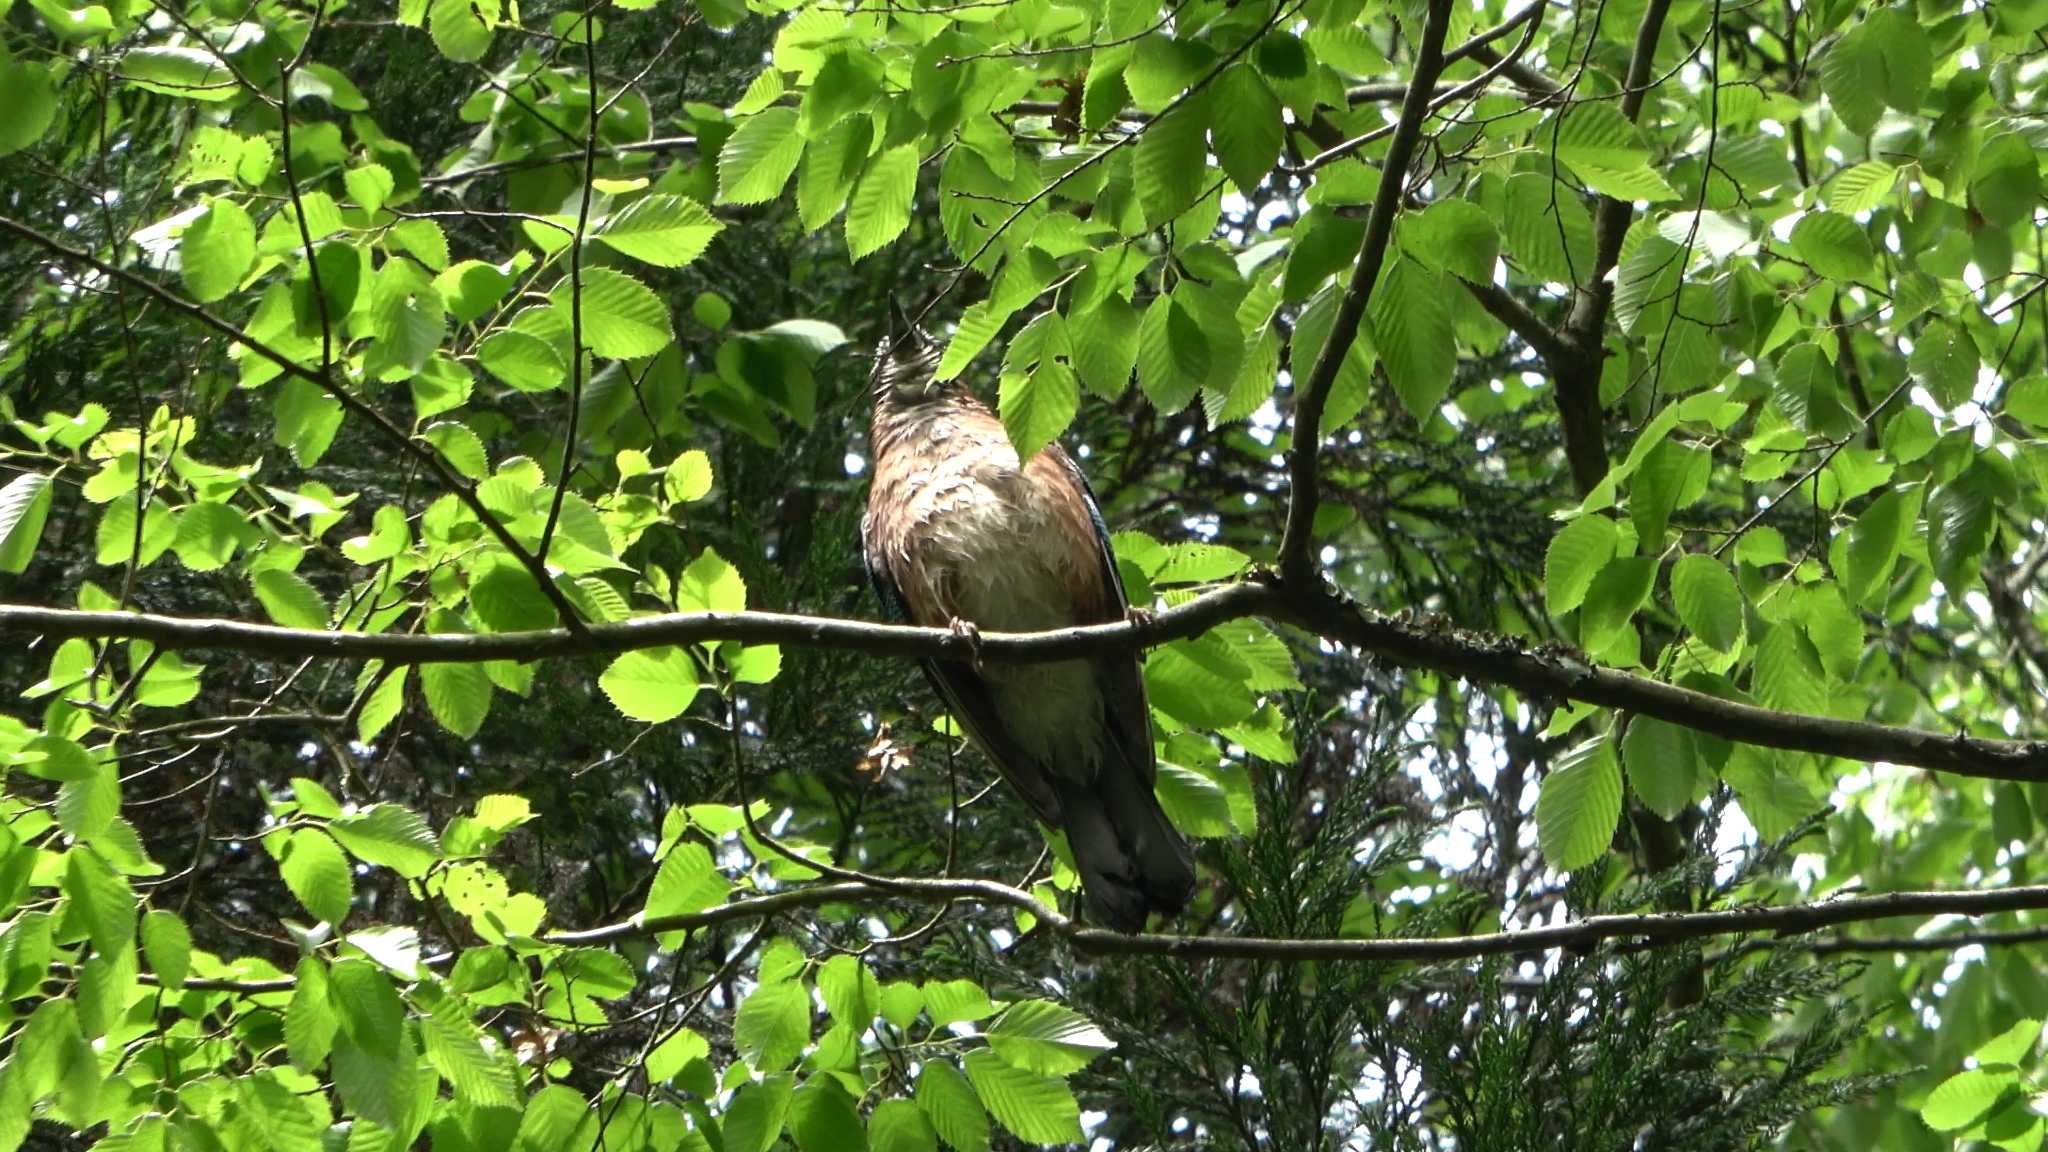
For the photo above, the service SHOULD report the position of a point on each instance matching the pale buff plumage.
(958, 532)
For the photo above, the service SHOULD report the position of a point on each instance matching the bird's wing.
(967, 697)
(1120, 677)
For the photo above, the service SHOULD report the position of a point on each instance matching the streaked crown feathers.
(907, 358)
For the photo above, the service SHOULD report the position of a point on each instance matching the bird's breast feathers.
(967, 532)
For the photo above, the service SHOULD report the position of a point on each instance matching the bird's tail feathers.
(1132, 861)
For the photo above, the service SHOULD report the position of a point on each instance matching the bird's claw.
(967, 632)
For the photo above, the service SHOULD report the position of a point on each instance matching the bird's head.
(907, 364)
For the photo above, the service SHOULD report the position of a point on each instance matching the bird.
(959, 533)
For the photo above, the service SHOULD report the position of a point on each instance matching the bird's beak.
(899, 324)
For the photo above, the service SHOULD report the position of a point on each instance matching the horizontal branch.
(1578, 935)
(1639, 929)
(1477, 657)
(1542, 673)
(1555, 674)
(190, 633)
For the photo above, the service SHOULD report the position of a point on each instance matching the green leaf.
(216, 250)
(1809, 393)
(459, 31)
(830, 166)
(687, 881)
(1038, 394)
(773, 1025)
(1834, 246)
(880, 208)
(289, 600)
(845, 83)
(822, 1118)
(1172, 164)
(373, 1063)
(1862, 188)
(1960, 519)
(386, 701)
(1105, 346)
(101, 898)
(406, 318)
(310, 1021)
(469, 288)
(318, 874)
(622, 318)
(1160, 67)
(480, 1075)
(1579, 807)
(1035, 1108)
(1662, 763)
(307, 420)
(1173, 354)
(523, 360)
(675, 1052)
(86, 806)
(688, 478)
(753, 1122)
(1198, 563)
(950, 1103)
(2027, 401)
(651, 685)
(1547, 230)
(1883, 59)
(2010, 1046)
(901, 1126)
(24, 507)
(1455, 236)
(1411, 327)
(849, 990)
(1246, 126)
(757, 160)
(1965, 1097)
(2005, 184)
(391, 835)
(188, 73)
(459, 696)
(956, 1002)
(1043, 1037)
(30, 100)
(711, 584)
(168, 945)
(1708, 602)
(1876, 539)
(1197, 805)
(1611, 602)
(1945, 362)
(369, 185)
(506, 598)
(1594, 134)
(551, 1120)
(1576, 555)
(663, 230)
(1786, 675)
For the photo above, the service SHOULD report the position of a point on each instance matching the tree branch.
(1296, 539)
(183, 633)
(1503, 306)
(1576, 376)
(1541, 673)
(1649, 928)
